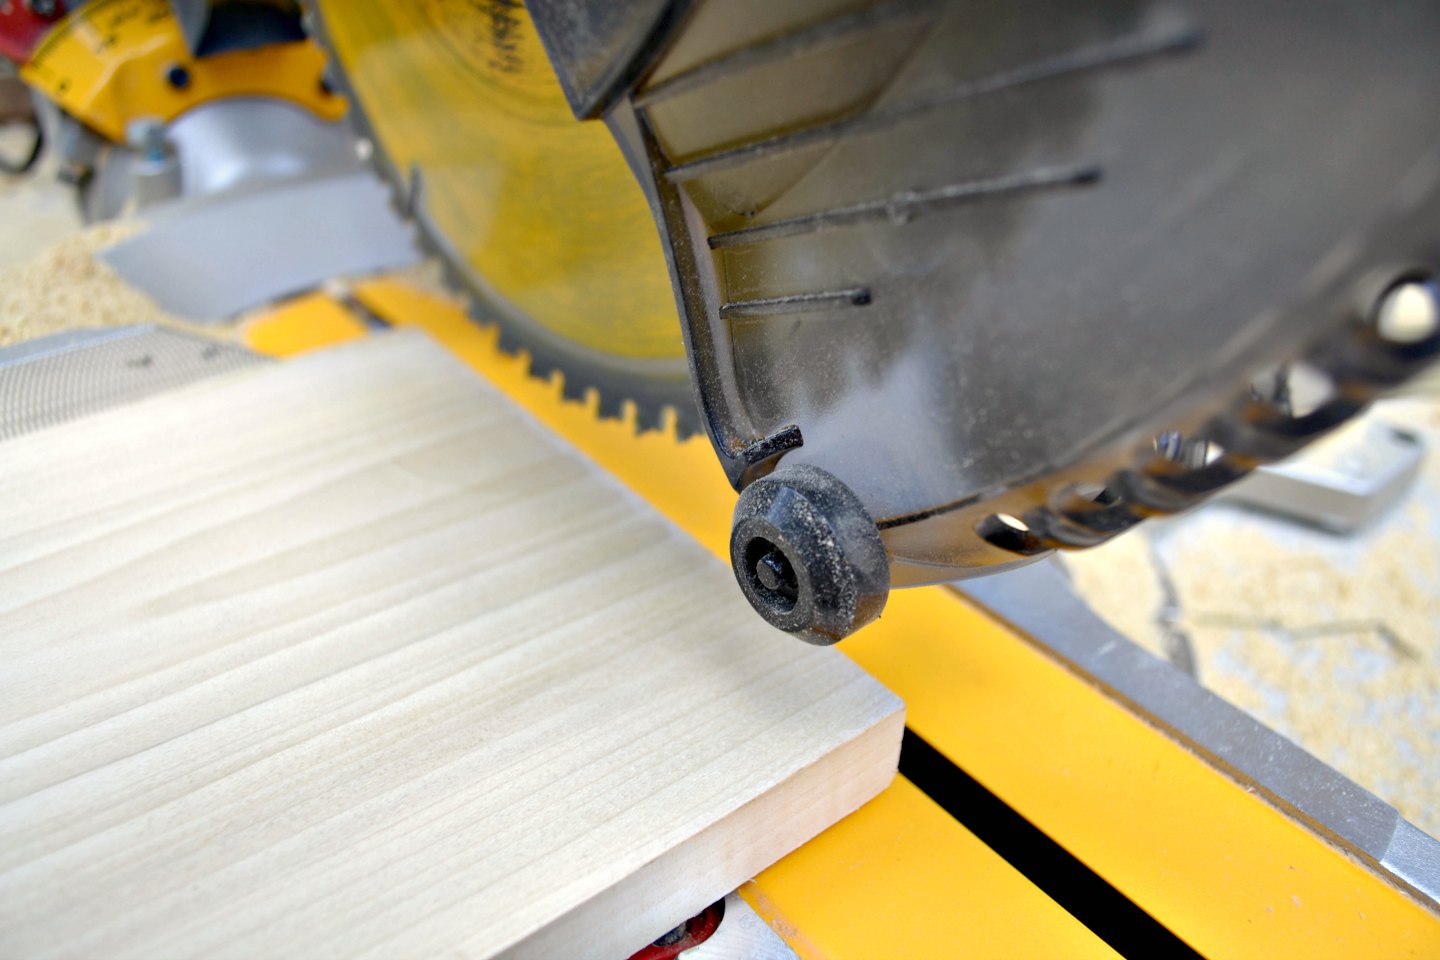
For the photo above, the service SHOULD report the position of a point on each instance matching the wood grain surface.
(348, 657)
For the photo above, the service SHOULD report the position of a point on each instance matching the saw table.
(1061, 792)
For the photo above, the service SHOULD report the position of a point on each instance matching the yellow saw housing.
(110, 61)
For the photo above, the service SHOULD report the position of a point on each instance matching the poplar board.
(350, 657)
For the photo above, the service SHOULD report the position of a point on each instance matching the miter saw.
(948, 285)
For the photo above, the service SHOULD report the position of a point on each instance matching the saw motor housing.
(973, 263)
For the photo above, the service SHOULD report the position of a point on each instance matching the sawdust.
(1120, 577)
(1344, 663)
(1334, 642)
(50, 278)
(66, 287)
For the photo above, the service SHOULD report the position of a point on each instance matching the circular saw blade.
(535, 217)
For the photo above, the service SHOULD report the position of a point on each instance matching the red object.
(697, 931)
(21, 28)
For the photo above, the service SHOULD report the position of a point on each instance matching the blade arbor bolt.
(807, 555)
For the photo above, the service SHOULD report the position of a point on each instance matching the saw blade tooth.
(508, 343)
(454, 281)
(571, 389)
(611, 405)
(578, 376)
(542, 367)
(655, 420)
(473, 312)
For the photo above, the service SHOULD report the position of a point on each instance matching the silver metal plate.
(1342, 484)
(58, 378)
(212, 259)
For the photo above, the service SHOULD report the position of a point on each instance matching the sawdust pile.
(1334, 642)
(65, 287)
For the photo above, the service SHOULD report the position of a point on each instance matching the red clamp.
(21, 26)
(696, 931)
